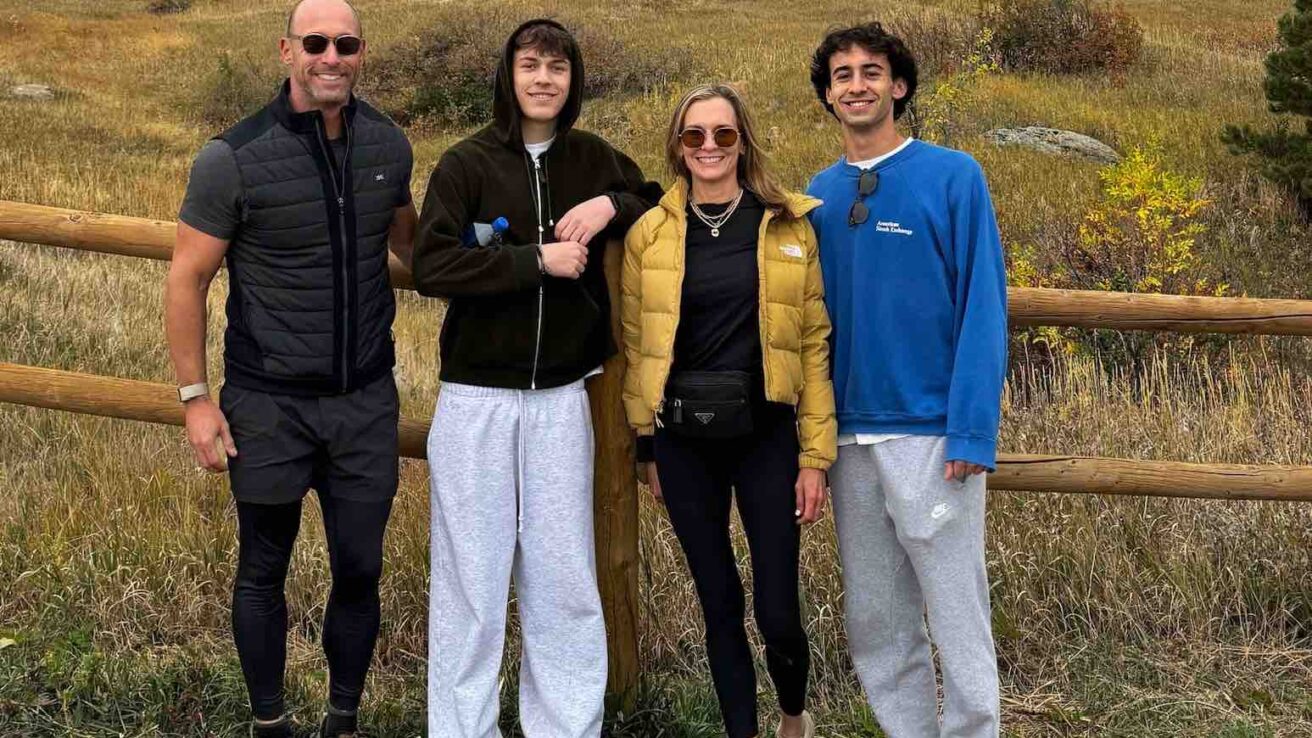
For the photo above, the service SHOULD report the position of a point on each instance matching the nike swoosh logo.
(939, 511)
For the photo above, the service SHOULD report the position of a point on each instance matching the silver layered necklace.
(718, 221)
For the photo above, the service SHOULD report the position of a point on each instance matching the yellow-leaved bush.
(1140, 236)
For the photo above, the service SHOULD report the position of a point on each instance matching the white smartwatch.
(192, 391)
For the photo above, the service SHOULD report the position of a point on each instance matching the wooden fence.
(616, 488)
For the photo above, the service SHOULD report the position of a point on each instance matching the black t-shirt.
(338, 147)
(719, 324)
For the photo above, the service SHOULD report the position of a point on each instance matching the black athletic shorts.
(340, 445)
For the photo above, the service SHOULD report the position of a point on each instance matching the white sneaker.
(808, 727)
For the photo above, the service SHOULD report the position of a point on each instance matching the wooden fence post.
(615, 506)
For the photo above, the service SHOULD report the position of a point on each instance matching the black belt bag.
(708, 404)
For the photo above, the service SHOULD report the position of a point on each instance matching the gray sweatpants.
(913, 544)
(511, 489)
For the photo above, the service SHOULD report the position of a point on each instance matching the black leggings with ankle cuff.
(266, 535)
(699, 480)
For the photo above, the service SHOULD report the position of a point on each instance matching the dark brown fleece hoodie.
(508, 325)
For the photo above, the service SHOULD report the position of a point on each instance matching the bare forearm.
(401, 235)
(185, 316)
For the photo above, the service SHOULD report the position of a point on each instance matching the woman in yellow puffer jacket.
(725, 332)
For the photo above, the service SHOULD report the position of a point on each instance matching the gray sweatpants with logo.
(912, 545)
(511, 491)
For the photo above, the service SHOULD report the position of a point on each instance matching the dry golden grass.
(1114, 616)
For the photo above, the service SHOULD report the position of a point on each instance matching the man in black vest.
(301, 201)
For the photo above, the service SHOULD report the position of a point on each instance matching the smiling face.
(541, 83)
(322, 80)
(862, 88)
(711, 163)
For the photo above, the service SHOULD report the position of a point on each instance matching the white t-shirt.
(868, 163)
(538, 149)
(870, 439)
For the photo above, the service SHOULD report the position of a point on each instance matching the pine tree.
(1284, 155)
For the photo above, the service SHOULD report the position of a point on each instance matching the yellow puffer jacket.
(793, 319)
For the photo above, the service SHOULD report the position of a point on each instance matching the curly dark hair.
(873, 38)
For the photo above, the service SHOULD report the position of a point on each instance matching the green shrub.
(1063, 36)
(236, 88)
(1284, 156)
(1139, 237)
(446, 73)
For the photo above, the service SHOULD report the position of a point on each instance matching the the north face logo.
(705, 418)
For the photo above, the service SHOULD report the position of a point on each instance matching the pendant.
(715, 232)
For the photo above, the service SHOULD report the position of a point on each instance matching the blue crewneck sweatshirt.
(918, 299)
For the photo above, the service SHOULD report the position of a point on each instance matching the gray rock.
(1055, 141)
(32, 92)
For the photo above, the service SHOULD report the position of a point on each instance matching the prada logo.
(705, 418)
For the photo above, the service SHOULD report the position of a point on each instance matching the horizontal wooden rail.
(129, 399)
(1028, 306)
(153, 239)
(157, 403)
(109, 234)
(1104, 476)
(77, 229)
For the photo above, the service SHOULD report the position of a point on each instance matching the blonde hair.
(752, 171)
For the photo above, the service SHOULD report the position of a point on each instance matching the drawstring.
(521, 453)
(551, 220)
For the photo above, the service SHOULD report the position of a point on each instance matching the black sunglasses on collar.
(865, 187)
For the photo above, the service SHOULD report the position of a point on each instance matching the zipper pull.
(678, 411)
(341, 202)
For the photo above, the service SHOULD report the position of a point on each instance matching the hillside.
(1113, 616)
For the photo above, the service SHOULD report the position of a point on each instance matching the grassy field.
(1113, 617)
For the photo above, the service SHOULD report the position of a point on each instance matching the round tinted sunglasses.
(694, 138)
(317, 43)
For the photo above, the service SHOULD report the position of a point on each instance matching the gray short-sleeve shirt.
(213, 204)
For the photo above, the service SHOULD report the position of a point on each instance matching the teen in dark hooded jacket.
(512, 232)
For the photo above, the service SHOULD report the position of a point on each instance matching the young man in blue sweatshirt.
(916, 291)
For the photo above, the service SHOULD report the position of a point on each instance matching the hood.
(505, 107)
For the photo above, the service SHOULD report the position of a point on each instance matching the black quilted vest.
(310, 305)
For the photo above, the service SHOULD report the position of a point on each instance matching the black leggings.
(266, 534)
(698, 478)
